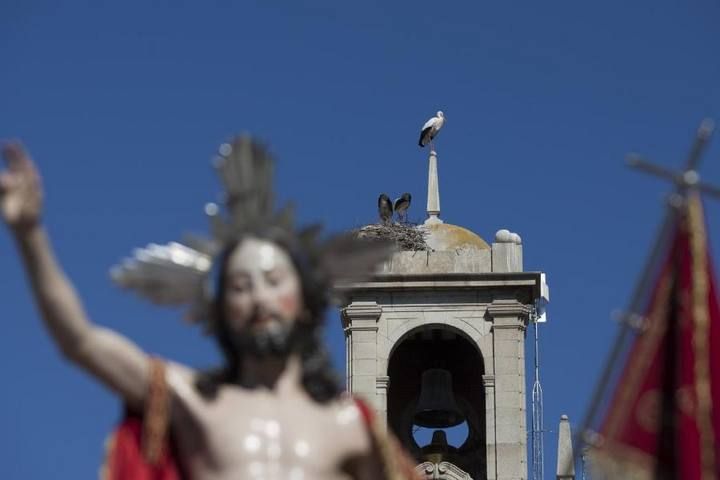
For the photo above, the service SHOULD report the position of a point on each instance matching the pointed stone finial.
(565, 464)
(433, 196)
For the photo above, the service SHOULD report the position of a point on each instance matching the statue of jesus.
(272, 411)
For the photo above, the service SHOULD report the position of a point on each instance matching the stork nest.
(407, 236)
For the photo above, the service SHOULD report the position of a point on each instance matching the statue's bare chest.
(261, 435)
(265, 428)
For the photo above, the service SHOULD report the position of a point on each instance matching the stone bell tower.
(437, 339)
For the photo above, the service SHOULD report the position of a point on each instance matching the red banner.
(664, 417)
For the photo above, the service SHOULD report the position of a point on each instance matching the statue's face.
(263, 290)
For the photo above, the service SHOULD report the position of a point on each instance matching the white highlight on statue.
(347, 415)
(272, 429)
(252, 443)
(302, 449)
(267, 257)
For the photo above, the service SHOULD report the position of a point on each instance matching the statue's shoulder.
(188, 373)
(180, 378)
(348, 414)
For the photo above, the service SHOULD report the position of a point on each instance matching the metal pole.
(538, 447)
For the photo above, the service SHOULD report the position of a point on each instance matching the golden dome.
(445, 236)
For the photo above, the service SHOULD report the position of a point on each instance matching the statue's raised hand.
(20, 189)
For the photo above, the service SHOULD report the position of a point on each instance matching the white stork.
(385, 208)
(401, 206)
(431, 129)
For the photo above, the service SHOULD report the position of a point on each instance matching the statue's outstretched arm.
(109, 356)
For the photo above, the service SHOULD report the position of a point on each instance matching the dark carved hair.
(318, 377)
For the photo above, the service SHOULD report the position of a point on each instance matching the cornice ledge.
(362, 311)
(508, 308)
(361, 328)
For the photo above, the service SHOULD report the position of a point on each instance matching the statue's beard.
(276, 339)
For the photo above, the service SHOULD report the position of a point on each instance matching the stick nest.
(407, 236)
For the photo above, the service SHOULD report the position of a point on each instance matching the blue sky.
(123, 104)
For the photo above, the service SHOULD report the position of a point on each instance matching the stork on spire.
(430, 130)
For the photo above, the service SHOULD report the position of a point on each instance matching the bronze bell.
(436, 406)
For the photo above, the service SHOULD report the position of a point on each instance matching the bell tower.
(435, 342)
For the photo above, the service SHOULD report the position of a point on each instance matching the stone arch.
(468, 330)
(428, 346)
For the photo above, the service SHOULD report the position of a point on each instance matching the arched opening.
(439, 346)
